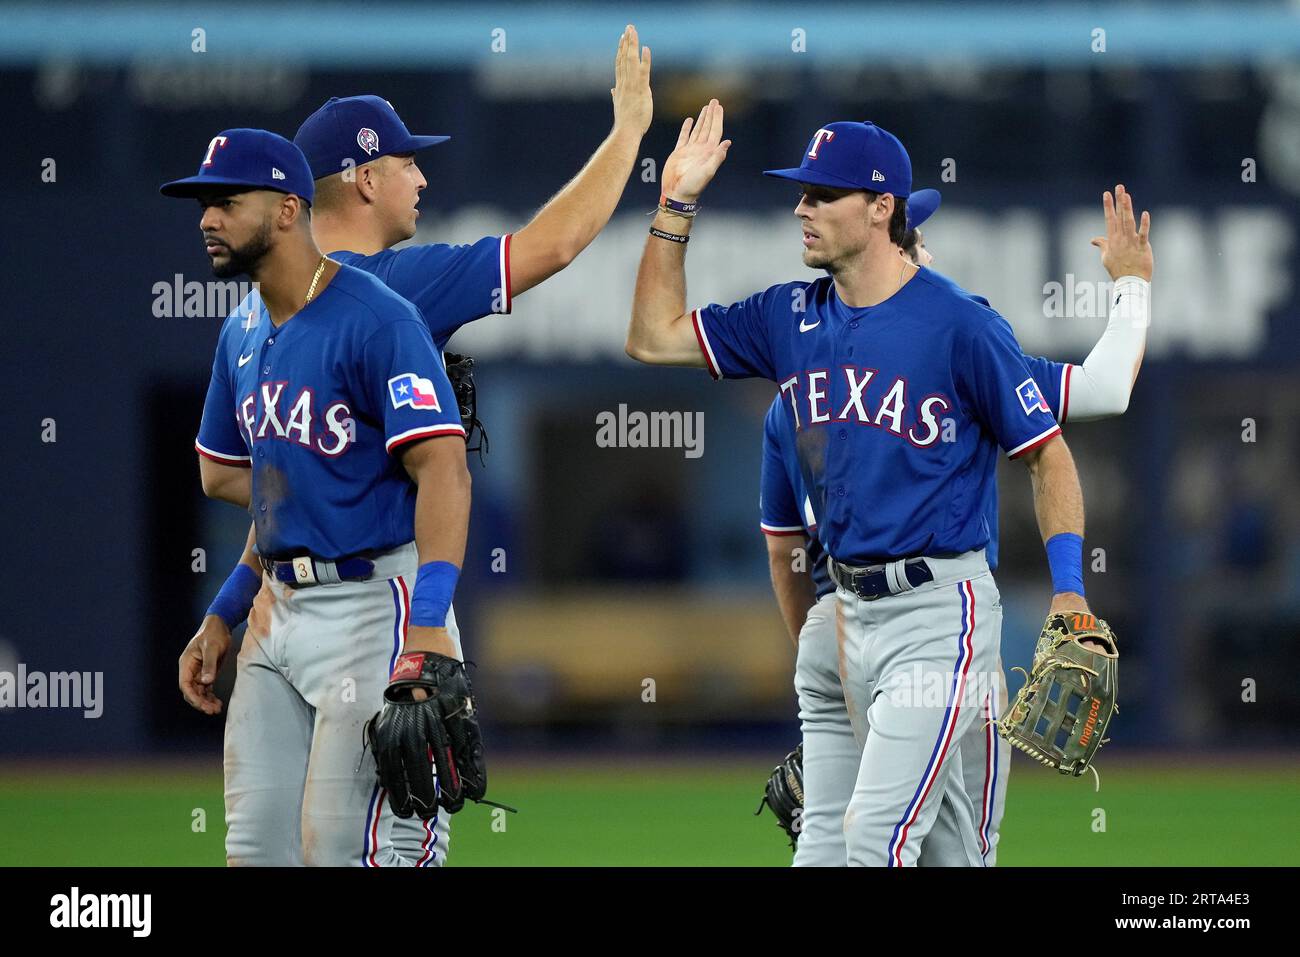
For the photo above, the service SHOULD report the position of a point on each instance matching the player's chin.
(224, 267)
(814, 259)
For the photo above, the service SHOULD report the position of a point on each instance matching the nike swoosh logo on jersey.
(804, 328)
(243, 360)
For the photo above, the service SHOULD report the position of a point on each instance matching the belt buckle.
(853, 576)
(873, 570)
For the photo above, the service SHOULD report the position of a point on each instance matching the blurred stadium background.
(613, 566)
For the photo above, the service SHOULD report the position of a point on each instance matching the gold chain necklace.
(320, 268)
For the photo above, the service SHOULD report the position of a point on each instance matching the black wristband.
(671, 237)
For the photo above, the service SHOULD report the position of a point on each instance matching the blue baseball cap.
(853, 156)
(356, 128)
(921, 205)
(253, 159)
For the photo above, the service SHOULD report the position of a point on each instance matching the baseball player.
(875, 362)
(368, 185)
(336, 419)
(830, 754)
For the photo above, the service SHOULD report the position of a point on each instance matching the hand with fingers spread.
(1126, 247)
(700, 151)
(200, 663)
(633, 104)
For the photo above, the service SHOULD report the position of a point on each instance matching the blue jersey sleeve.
(736, 340)
(405, 386)
(220, 437)
(451, 285)
(1002, 394)
(778, 505)
(1053, 380)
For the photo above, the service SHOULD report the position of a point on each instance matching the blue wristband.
(431, 597)
(235, 599)
(1065, 559)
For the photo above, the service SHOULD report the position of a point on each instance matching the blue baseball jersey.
(786, 509)
(319, 408)
(898, 409)
(449, 285)
(784, 506)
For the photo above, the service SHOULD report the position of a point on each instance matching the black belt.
(877, 581)
(305, 570)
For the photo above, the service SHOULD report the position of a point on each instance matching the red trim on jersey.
(416, 434)
(1047, 436)
(781, 532)
(698, 326)
(1065, 392)
(243, 462)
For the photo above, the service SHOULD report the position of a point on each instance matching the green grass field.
(651, 813)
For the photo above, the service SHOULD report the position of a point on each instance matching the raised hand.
(1125, 249)
(700, 151)
(633, 104)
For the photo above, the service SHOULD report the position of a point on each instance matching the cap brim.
(801, 175)
(193, 186)
(921, 205)
(816, 178)
(420, 142)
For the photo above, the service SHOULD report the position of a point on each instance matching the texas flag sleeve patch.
(1031, 399)
(413, 390)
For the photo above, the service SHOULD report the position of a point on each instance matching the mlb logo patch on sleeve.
(1031, 400)
(410, 389)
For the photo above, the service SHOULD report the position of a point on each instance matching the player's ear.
(883, 208)
(367, 181)
(292, 212)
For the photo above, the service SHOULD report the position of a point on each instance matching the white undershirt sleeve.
(1101, 387)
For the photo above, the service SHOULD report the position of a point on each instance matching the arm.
(437, 467)
(571, 219)
(793, 590)
(201, 660)
(1102, 386)
(1058, 504)
(661, 331)
(226, 483)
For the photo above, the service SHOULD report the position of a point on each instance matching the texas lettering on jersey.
(887, 408)
(267, 415)
(869, 392)
(315, 408)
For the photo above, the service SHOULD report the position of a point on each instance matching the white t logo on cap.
(212, 148)
(821, 135)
